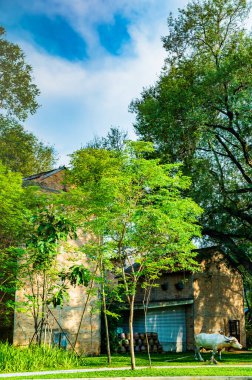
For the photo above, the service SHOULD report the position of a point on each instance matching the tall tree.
(114, 140)
(12, 207)
(17, 91)
(38, 266)
(21, 151)
(199, 113)
(138, 209)
(13, 213)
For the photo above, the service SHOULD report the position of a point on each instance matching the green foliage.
(8, 284)
(138, 205)
(34, 358)
(38, 268)
(141, 196)
(21, 151)
(49, 227)
(207, 29)
(13, 227)
(60, 295)
(115, 140)
(137, 213)
(79, 275)
(91, 164)
(198, 114)
(12, 208)
(18, 93)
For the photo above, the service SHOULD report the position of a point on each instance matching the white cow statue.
(215, 342)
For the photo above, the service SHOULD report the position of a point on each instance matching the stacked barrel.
(141, 341)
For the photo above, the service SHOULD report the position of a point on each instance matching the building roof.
(44, 175)
(51, 180)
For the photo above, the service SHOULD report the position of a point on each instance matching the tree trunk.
(131, 317)
(147, 293)
(106, 324)
(104, 307)
(43, 303)
(85, 307)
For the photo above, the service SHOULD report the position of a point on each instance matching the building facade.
(181, 304)
(185, 304)
(76, 324)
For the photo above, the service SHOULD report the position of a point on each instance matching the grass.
(13, 359)
(32, 359)
(167, 359)
(214, 371)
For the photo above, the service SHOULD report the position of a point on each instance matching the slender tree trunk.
(106, 324)
(131, 318)
(147, 292)
(104, 307)
(43, 302)
(61, 329)
(84, 308)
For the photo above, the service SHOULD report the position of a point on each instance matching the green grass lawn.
(178, 359)
(199, 371)
(33, 359)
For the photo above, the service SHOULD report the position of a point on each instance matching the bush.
(13, 359)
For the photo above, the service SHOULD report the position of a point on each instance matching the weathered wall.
(55, 182)
(166, 289)
(218, 297)
(69, 317)
(217, 294)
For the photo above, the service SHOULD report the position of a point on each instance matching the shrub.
(13, 359)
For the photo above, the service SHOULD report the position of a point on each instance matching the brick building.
(81, 310)
(181, 305)
(184, 304)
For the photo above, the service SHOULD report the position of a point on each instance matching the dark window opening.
(60, 339)
(234, 328)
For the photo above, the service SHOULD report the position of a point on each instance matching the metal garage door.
(169, 323)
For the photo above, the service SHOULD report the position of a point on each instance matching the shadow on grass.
(184, 358)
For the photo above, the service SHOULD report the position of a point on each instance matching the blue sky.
(90, 58)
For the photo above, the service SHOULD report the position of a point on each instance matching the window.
(234, 328)
(60, 339)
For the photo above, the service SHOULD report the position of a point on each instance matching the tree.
(21, 151)
(13, 212)
(91, 164)
(17, 91)
(38, 265)
(137, 207)
(12, 207)
(115, 140)
(198, 113)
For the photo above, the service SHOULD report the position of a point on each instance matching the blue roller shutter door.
(168, 323)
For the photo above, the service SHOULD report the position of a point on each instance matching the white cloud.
(102, 95)
(83, 99)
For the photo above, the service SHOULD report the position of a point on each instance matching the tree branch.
(238, 253)
(234, 160)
